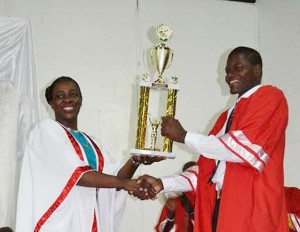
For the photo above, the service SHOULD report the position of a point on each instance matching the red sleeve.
(258, 127)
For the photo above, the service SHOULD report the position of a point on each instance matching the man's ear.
(257, 70)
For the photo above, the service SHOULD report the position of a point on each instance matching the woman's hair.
(49, 90)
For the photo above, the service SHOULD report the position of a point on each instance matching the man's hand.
(139, 189)
(155, 185)
(171, 128)
(149, 187)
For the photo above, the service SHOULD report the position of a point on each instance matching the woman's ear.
(51, 104)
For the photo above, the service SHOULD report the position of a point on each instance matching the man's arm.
(184, 182)
(209, 146)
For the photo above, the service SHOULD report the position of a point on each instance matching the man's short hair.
(252, 56)
(188, 164)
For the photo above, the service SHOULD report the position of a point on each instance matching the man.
(292, 196)
(6, 229)
(240, 182)
(178, 212)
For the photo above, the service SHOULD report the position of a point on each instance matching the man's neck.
(249, 91)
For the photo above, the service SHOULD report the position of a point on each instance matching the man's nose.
(229, 76)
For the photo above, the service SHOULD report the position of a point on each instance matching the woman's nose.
(68, 98)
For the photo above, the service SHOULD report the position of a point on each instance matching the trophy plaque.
(147, 124)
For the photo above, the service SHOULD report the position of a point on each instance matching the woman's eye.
(74, 94)
(59, 96)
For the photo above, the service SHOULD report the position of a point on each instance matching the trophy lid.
(163, 32)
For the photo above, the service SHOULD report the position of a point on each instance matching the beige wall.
(102, 44)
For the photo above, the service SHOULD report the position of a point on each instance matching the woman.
(64, 183)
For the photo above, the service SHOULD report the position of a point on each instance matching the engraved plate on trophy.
(156, 92)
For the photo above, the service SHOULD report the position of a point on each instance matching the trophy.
(154, 125)
(161, 57)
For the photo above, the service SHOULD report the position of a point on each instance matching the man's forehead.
(236, 58)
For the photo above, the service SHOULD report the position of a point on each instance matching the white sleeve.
(184, 182)
(210, 147)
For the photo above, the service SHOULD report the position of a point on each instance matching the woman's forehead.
(65, 84)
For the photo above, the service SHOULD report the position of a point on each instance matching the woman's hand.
(147, 159)
(132, 185)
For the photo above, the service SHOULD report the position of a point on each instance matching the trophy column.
(142, 118)
(171, 107)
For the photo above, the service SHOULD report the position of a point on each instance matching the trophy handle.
(171, 60)
(153, 58)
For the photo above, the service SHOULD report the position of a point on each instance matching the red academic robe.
(253, 192)
(180, 216)
(292, 196)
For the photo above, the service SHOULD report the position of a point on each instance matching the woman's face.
(66, 102)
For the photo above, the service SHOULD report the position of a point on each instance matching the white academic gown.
(49, 199)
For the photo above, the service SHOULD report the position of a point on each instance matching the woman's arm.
(128, 168)
(100, 180)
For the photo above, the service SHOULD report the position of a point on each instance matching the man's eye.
(238, 69)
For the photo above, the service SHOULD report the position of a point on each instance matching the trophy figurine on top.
(161, 57)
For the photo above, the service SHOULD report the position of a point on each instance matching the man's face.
(240, 74)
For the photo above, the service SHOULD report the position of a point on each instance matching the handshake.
(145, 187)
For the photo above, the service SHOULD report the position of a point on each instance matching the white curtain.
(19, 109)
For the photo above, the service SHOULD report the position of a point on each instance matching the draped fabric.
(49, 199)
(19, 109)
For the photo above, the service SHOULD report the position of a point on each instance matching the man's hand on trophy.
(147, 159)
(172, 129)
